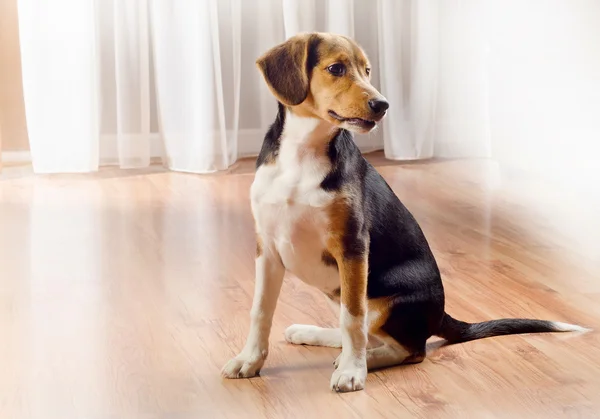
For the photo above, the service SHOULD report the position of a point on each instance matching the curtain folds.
(133, 82)
(59, 64)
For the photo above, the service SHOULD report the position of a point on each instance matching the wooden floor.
(122, 294)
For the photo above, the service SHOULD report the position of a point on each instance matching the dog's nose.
(378, 106)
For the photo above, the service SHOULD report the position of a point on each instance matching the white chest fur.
(290, 207)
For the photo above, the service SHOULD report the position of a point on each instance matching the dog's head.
(326, 76)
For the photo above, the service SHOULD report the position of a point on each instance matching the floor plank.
(123, 293)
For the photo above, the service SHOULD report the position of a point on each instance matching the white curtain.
(140, 81)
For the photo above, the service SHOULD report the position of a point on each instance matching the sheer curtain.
(141, 81)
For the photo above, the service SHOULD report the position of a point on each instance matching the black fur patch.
(400, 261)
(272, 141)
(312, 55)
(341, 150)
(455, 331)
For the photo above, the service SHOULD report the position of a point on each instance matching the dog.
(325, 214)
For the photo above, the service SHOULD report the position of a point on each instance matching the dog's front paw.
(349, 379)
(244, 366)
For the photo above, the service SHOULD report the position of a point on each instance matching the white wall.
(544, 86)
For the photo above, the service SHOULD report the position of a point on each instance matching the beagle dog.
(325, 214)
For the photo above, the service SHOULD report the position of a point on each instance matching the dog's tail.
(456, 331)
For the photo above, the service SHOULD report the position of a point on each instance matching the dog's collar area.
(359, 122)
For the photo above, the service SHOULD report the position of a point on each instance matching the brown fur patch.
(353, 270)
(297, 74)
(347, 95)
(338, 213)
(286, 69)
(353, 278)
(379, 312)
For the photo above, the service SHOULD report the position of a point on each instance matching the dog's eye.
(368, 71)
(337, 69)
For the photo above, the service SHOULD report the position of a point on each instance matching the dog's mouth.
(366, 124)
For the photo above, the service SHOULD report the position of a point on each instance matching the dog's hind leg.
(389, 353)
(302, 334)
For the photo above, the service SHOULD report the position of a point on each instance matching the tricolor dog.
(325, 214)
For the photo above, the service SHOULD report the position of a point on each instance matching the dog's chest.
(291, 213)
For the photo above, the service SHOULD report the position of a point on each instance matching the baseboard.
(249, 142)
(248, 145)
(109, 146)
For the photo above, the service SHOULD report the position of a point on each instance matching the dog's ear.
(287, 68)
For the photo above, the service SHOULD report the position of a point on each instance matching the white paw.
(349, 379)
(300, 334)
(244, 366)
